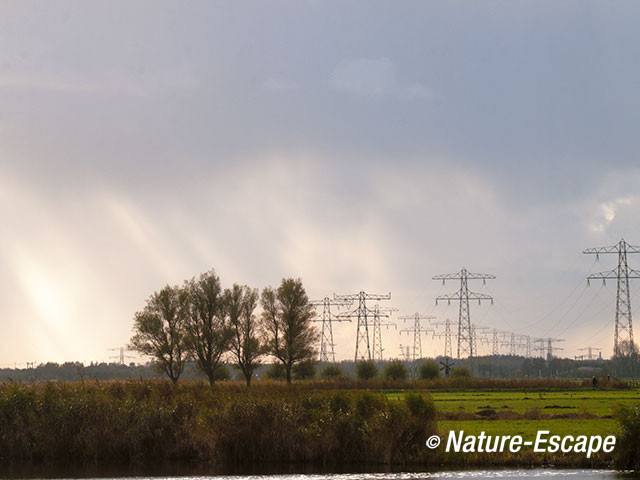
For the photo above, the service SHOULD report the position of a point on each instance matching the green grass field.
(585, 404)
(599, 403)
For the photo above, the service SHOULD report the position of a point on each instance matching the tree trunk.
(248, 377)
(288, 368)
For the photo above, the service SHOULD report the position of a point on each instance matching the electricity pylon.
(513, 345)
(526, 343)
(551, 348)
(463, 295)
(121, 355)
(362, 313)
(622, 273)
(405, 352)
(417, 330)
(378, 313)
(496, 342)
(539, 346)
(475, 329)
(589, 351)
(327, 351)
(447, 336)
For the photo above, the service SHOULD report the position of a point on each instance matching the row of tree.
(200, 321)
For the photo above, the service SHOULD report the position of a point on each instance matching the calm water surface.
(466, 474)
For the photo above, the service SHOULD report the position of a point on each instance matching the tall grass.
(147, 421)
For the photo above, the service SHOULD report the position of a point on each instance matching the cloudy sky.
(357, 145)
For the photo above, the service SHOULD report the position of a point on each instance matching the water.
(466, 474)
(522, 474)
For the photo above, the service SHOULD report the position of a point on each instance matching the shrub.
(304, 370)
(626, 450)
(419, 406)
(396, 370)
(429, 370)
(222, 373)
(461, 372)
(368, 403)
(366, 370)
(331, 371)
(276, 371)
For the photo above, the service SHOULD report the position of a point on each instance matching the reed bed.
(148, 421)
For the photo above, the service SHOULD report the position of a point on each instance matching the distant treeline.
(386, 372)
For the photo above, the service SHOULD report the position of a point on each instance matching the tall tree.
(208, 332)
(287, 317)
(246, 348)
(159, 330)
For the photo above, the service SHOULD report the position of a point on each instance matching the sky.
(356, 145)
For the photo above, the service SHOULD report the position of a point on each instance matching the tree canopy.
(287, 317)
(159, 330)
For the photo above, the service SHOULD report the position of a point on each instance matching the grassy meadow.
(593, 402)
(513, 412)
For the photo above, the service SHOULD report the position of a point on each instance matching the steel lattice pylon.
(495, 345)
(623, 333)
(417, 330)
(327, 352)
(448, 353)
(589, 350)
(362, 313)
(378, 314)
(463, 295)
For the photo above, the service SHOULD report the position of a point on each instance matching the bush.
(331, 371)
(366, 370)
(419, 406)
(304, 370)
(429, 370)
(461, 372)
(626, 450)
(222, 373)
(396, 370)
(276, 371)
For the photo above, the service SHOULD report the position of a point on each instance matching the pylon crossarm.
(469, 275)
(371, 296)
(457, 295)
(449, 296)
(613, 275)
(613, 249)
(479, 296)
